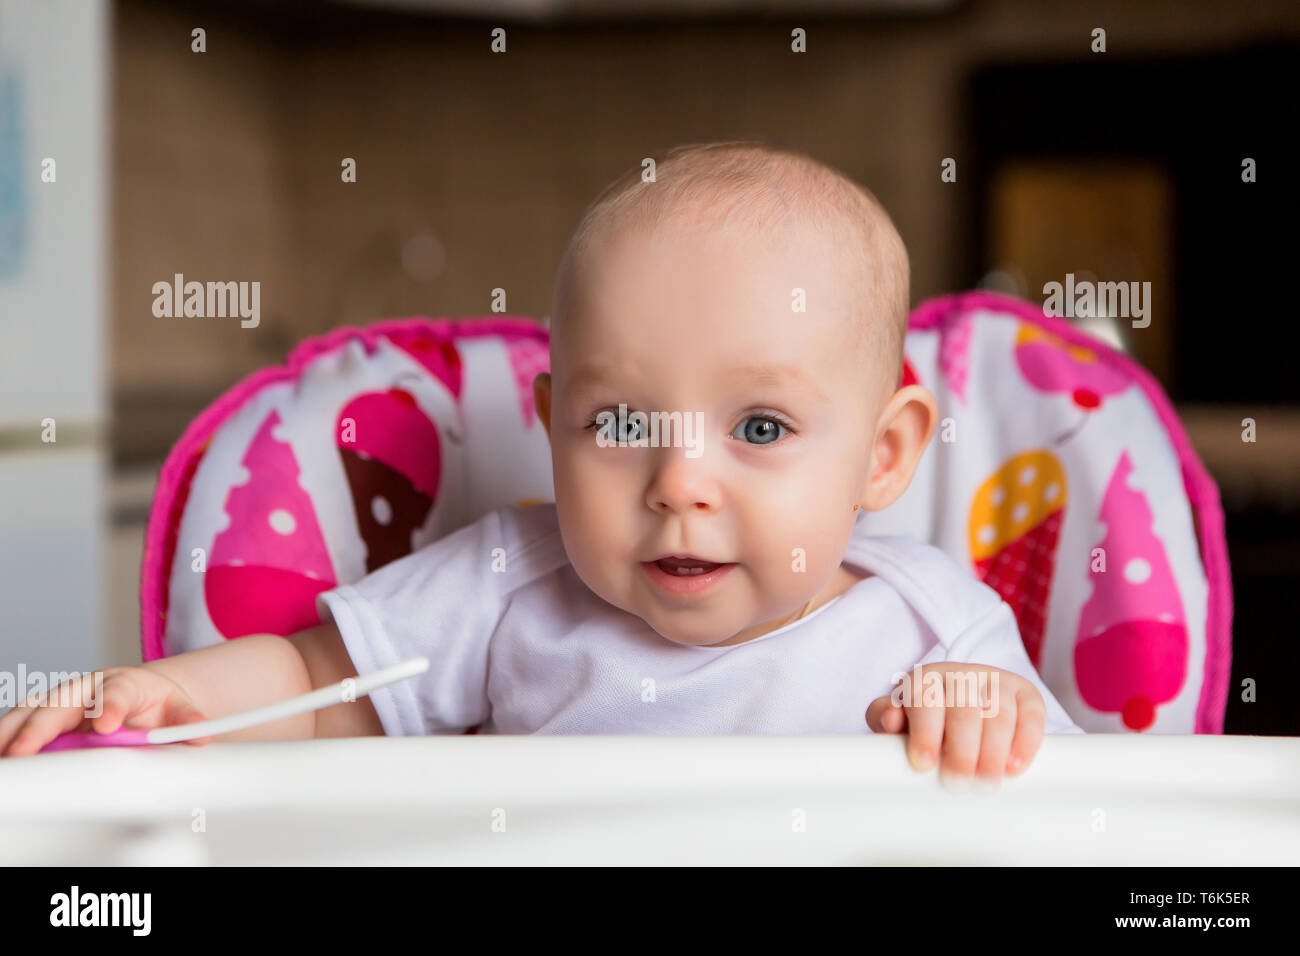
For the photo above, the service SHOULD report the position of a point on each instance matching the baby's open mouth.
(686, 576)
(686, 565)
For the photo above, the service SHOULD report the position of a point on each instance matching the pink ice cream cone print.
(1015, 521)
(392, 456)
(1050, 364)
(1130, 654)
(268, 565)
(439, 358)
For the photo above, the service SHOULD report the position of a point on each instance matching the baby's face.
(703, 324)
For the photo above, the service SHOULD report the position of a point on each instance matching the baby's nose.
(682, 485)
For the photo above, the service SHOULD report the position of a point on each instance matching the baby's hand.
(989, 721)
(143, 697)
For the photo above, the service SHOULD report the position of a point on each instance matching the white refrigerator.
(53, 342)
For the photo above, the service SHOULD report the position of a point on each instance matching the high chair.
(1059, 475)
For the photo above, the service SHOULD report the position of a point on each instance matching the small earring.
(856, 507)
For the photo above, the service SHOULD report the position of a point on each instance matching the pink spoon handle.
(345, 690)
(122, 737)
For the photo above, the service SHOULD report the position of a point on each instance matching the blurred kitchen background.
(473, 168)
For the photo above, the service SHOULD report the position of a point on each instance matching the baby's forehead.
(746, 251)
(790, 276)
(801, 209)
(715, 350)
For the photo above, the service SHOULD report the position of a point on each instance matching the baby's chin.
(678, 629)
(679, 626)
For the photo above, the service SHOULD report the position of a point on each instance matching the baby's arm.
(261, 669)
(226, 678)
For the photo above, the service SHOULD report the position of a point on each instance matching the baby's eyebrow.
(589, 376)
(752, 373)
(771, 376)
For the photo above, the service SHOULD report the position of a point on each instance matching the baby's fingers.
(962, 732)
(995, 747)
(121, 699)
(893, 720)
(1031, 718)
(925, 735)
(11, 723)
(36, 722)
(885, 717)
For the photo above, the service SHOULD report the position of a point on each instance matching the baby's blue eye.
(631, 433)
(760, 430)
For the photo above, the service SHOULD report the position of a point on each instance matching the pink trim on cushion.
(1202, 492)
(155, 567)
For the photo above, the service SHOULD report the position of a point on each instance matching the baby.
(726, 348)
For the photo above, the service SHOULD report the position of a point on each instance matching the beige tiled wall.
(196, 146)
(227, 163)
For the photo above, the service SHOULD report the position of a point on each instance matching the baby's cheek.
(804, 556)
(586, 548)
(782, 577)
(606, 581)
(601, 553)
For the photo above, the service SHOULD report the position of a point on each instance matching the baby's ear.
(904, 430)
(542, 400)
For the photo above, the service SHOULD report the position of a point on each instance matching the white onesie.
(519, 644)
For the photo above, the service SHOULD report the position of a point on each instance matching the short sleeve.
(994, 640)
(442, 602)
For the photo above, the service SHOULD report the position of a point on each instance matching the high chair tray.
(1096, 799)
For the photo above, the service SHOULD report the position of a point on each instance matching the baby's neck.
(845, 577)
